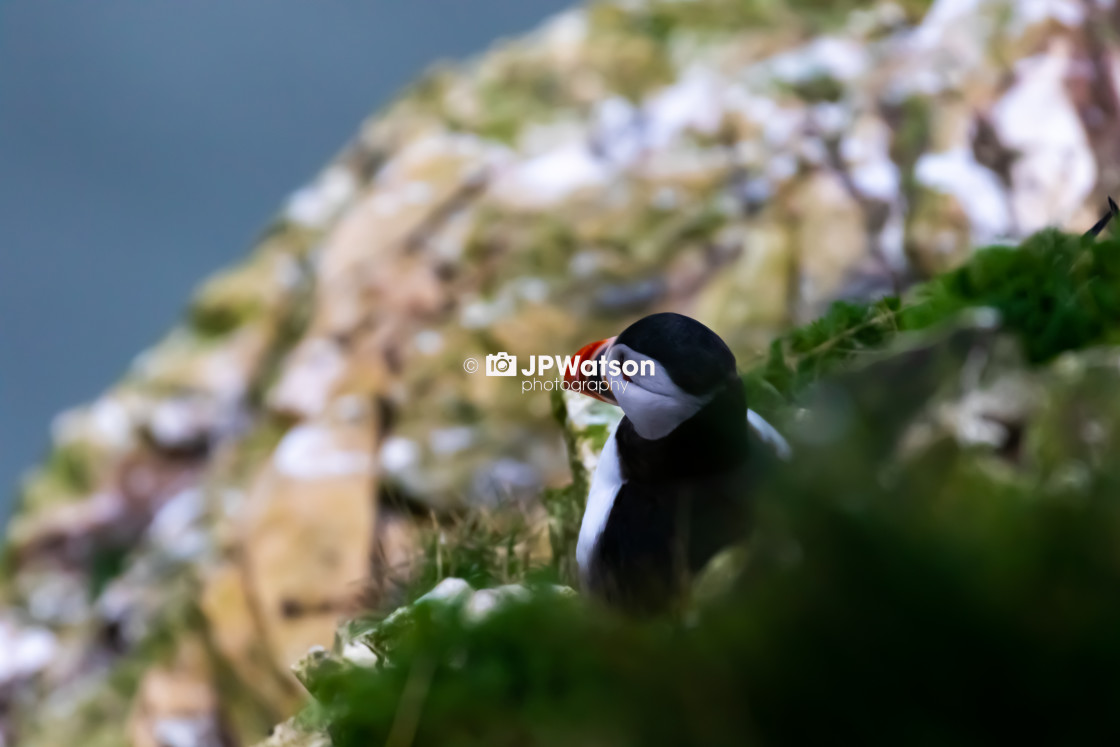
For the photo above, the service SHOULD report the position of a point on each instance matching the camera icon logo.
(501, 364)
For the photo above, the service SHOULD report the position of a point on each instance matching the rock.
(25, 652)
(308, 442)
(1055, 171)
(237, 634)
(829, 240)
(317, 495)
(175, 705)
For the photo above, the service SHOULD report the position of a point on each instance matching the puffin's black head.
(661, 371)
(693, 356)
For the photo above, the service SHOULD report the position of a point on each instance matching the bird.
(671, 486)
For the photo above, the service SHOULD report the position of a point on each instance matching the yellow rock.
(235, 631)
(176, 702)
(307, 533)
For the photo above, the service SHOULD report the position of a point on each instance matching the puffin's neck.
(712, 440)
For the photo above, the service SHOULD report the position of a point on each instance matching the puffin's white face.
(654, 404)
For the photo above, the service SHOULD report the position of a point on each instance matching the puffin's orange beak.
(593, 385)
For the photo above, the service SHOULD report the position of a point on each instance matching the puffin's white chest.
(605, 484)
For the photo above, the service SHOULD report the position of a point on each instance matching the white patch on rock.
(831, 117)
(812, 150)
(694, 103)
(350, 408)
(866, 151)
(877, 179)
(480, 314)
(941, 16)
(310, 452)
(416, 193)
(288, 273)
(59, 598)
(309, 376)
(976, 187)
(24, 651)
(782, 126)
(107, 422)
(179, 421)
(1029, 13)
(618, 136)
(1056, 170)
(428, 342)
(832, 57)
(386, 203)
(584, 264)
(175, 528)
(198, 731)
(398, 454)
(564, 34)
(617, 130)
(946, 48)
(447, 441)
(550, 178)
(781, 167)
(531, 289)
(317, 204)
(892, 239)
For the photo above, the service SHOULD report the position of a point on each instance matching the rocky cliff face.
(303, 445)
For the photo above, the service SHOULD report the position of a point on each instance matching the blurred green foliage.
(941, 615)
(1055, 292)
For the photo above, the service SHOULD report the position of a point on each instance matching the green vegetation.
(1055, 293)
(215, 320)
(105, 564)
(96, 716)
(821, 87)
(663, 19)
(72, 466)
(226, 302)
(484, 549)
(69, 473)
(292, 320)
(890, 597)
(901, 621)
(515, 96)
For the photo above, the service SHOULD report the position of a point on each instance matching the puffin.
(672, 484)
